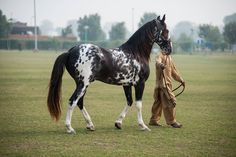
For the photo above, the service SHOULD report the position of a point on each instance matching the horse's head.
(161, 35)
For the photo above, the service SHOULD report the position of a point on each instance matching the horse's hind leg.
(71, 105)
(86, 115)
(69, 128)
(76, 96)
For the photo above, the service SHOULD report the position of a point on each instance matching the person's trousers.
(163, 101)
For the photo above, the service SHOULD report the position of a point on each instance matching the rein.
(175, 88)
(178, 88)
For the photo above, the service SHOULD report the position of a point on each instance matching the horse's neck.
(140, 45)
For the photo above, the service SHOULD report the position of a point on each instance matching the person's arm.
(175, 74)
(159, 63)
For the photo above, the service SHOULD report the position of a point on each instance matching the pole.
(86, 33)
(35, 30)
(192, 44)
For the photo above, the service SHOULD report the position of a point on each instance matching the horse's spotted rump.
(83, 65)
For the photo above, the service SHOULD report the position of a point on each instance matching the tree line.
(186, 37)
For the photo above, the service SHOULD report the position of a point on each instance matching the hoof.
(144, 127)
(70, 130)
(90, 128)
(118, 125)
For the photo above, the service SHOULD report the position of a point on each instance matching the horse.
(127, 66)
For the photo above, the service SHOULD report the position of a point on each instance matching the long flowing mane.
(140, 43)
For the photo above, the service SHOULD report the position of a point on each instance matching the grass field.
(207, 110)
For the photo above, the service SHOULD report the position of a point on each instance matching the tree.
(66, 31)
(89, 28)
(74, 27)
(230, 33)
(146, 18)
(4, 25)
(211, 35)
(185, 42)
(229, 19)
(186, 27)
(118, 31)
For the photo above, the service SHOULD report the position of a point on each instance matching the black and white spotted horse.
(127, 65)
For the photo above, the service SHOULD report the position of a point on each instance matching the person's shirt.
(170, 71)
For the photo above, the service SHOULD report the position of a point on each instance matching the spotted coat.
(112, 66)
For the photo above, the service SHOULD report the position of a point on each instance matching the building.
(233, 48)
(20, 28)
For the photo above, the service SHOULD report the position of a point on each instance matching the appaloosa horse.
(127, 65)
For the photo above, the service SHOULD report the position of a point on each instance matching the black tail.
(54, 92)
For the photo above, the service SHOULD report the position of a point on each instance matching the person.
(164, 98)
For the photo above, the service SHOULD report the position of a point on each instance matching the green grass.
(206, 109)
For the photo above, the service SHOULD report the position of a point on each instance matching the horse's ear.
(163, 19)
(158, 18)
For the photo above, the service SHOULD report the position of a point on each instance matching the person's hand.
(163, 66)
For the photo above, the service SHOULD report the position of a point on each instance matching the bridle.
(159, 38)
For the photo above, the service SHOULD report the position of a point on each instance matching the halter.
(160, 41)
(158, 38)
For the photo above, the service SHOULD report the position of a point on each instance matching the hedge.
(53, 44)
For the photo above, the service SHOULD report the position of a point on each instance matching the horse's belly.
(120, 79)
(124, 79)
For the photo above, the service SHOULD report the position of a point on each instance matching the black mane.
(140, 43)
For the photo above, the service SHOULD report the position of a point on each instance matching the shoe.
(154, 124)
(176, 125)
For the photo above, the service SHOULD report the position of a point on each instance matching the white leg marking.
(140, 117)
(123, 114)
(88, 120)
(68, 119)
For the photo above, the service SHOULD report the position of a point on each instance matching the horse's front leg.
(128, 94)
(138, 95)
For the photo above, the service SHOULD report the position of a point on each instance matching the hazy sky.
(60, 11)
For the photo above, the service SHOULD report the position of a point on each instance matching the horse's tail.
(54, 92)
